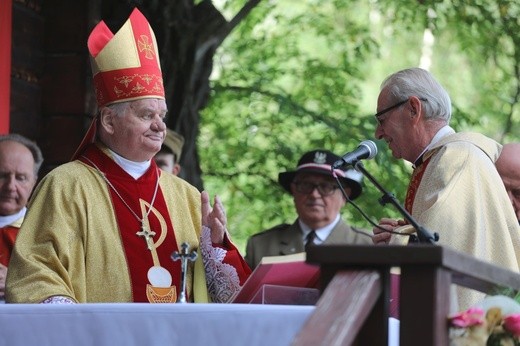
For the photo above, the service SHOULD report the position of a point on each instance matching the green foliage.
(297, 75)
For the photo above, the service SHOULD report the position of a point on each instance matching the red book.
(283, 271)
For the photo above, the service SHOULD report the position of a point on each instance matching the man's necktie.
(309, 240)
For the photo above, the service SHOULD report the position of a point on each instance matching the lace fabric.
(221, 278)
(58, 300)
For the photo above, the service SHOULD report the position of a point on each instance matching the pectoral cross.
(184, 257)
(147, 234)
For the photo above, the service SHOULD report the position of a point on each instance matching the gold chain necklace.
(144, 233)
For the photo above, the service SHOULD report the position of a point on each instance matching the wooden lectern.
(355, 292)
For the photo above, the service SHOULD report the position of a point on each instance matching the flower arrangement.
(493, 322)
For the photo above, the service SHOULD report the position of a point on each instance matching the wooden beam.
(6, 11)
(426, 276)
(343, 309)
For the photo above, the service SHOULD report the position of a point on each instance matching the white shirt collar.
(321, 233)
(135, 169)
(443, 132)
(9, 219)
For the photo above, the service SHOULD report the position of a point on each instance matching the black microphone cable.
(365, 216)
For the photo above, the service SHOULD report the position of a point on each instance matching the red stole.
(7, 237)
(138, 194)
(415, 181)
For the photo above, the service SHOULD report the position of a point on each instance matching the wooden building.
(45, 74)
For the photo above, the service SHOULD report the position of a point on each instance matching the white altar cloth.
(150, 324)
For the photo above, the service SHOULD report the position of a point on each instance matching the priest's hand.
(382, 233)
(214, 218)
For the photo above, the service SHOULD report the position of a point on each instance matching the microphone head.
(372, 148)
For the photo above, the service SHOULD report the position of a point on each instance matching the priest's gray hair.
(29, 144)
(420, 83)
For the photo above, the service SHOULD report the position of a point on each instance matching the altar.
(151, 324)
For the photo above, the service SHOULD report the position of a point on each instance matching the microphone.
(366, 150)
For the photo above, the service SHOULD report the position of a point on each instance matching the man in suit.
(318, 201)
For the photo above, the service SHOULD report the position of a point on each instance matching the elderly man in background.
(169, 156)
(455, 189)
(20, 161)
(318, 202)
(508, 166)
(108, 226)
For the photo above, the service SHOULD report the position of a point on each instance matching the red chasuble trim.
(149, 265)
(415, 181)
(7, 238)
(235, 259)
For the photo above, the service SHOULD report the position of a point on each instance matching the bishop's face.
(138, 131)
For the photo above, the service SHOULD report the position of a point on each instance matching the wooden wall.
(50, 97)
(27, 64)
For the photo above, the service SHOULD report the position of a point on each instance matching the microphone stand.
(423, 234)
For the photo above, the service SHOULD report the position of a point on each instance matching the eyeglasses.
(325, 189)
(388, 109)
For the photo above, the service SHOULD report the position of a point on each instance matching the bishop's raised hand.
(214, 217)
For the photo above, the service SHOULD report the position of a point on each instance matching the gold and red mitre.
(125, 66)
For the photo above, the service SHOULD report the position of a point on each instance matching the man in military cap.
(169, 156)
(318, 201)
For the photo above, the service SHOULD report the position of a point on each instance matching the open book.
(288, 271)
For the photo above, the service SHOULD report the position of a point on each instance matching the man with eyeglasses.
(318, 201)
(455, 189)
